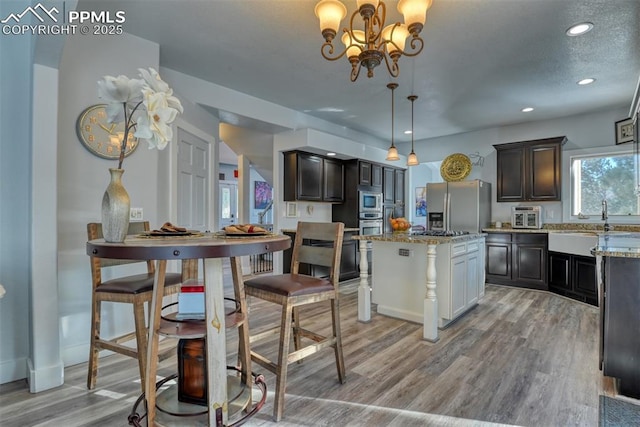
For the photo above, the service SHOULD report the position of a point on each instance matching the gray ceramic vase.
(115, 209)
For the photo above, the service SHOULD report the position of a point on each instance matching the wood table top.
(201, 245)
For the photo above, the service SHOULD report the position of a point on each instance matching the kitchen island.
(431, 280)
(618, 262)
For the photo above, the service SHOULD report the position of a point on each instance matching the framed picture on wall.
(263, 195)
(421, 201)
(624, 131)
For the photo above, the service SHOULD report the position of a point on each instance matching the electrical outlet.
(405, 252)
(135, 214)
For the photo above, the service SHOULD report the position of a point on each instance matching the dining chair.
(133, 289)
(318, 244)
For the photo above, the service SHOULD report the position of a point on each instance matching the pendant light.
(392, 154)
(412, 160)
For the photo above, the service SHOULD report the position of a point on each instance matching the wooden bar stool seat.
(135, 290)
(316, 244)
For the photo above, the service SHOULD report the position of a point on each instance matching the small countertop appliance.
(526, 217)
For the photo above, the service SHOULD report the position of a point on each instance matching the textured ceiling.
(483, 60)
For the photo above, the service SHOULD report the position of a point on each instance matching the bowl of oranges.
(400, 225)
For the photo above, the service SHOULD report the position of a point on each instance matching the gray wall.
(15, 205)
(583, 131)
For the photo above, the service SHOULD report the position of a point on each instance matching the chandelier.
(368, 47)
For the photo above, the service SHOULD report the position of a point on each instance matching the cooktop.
(445, 233)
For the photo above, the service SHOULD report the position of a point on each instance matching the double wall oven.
(370, 217)
(370, 213)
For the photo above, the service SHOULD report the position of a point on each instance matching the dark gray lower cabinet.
(573, 276)
(620, 340)
(348, 261)
(517, 259)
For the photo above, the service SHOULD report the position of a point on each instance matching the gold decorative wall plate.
(455, 167)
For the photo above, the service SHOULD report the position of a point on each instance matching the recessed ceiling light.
(407, 132)
(330, 110)
(331, 153)
(527, 109)
(579, 29)
(586, 81)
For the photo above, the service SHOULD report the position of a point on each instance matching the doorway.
(193, 181)
(228, 203)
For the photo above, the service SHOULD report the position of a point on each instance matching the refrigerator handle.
(444, 211)
(448, 211)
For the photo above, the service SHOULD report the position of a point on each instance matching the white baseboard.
(13, 370)
(45, 378)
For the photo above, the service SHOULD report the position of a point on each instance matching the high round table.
(211, 248)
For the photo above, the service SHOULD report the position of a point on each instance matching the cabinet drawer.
(531, 238)
(499, 237)
(473, 246)
(458, 249)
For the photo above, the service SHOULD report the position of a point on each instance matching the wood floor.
(520, 358)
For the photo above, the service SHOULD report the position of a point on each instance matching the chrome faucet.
(605, 216)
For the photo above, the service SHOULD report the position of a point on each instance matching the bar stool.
(316, 244)
(134, 290)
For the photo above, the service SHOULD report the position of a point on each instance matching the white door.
(228, 204)
(193, 183)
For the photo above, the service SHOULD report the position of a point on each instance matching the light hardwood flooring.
(520, 358)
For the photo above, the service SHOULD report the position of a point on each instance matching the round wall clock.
(101, 137)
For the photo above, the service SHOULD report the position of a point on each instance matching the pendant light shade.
(412, 160)
(392, 154)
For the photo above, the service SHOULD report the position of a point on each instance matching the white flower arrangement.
(127, 98)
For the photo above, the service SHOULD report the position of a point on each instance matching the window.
(610, 176)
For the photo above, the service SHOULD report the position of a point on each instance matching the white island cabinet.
(426, 279)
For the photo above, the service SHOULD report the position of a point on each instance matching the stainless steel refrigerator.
(459, 206)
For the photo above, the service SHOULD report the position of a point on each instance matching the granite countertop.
(425, 240)
(595, 228)
(618, 244)
(293, 230)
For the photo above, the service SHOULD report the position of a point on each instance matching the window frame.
(567, 188)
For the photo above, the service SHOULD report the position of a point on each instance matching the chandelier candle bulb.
(330, 13)
(414, 13)
(352, 40)
(397, 35)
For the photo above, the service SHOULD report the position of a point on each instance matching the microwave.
(369, 204)
(526, 217)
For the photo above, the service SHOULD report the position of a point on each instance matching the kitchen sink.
(573, 242)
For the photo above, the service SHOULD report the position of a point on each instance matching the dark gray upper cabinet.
(333, 180)
(388, 186)
(313, 178)
(369, 174)
(530, 170)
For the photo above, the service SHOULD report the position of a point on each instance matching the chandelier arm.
(350, 30)
(392, 67)
(377, 23)
(355, 70)
(415, 41)
(328, 47)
